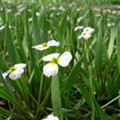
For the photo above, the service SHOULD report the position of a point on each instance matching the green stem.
(111, 101)
(56, 99)
(40, 93)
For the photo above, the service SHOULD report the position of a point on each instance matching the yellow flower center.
(44, 45)
(55, 61)
(84, 34)
(87, 30)
(12, 69)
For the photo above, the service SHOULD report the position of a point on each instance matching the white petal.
(16, 74)
(78, 28)
(88, 29)
(87, 36)
(79, 37)
(50, 69)
(5, 74)
(2, 27)
(20, 65)
(19, 71)
(40, 47)
(65, 58)
(51, 117)
(84, 35)
(36, 46)
(50, 56)
(53, 43)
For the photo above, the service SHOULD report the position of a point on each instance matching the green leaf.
(92, 102)
(20, 40)
(3, 65)
(7, 96)
(71, 78)
(36, 28)
(99, 54)
(56, 99)
(118, 49)
(112, 39)
(10, 45)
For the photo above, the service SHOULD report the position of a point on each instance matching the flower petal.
(50, 69)
(65, 58)
(78, 28)
(86, 36)
(16, 74)
(40, 47)
(88, 30)
(51, 117)
(50, 56)
(80, 36)
(5, 74)
(20, 65)
(53, 43)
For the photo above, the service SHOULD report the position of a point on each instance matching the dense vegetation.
(88, 88)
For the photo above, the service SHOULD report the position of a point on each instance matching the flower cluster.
(87, 31)
(50, 69)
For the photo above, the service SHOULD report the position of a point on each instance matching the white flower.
(50, 31)
(45, 45)
(15, 72)
(51, 69)
(8, 11)
(30, 19)
(114, 12)
(58, 13)
(53, 8)
(37, 13)
(62, 8)
(51, 117)
(110, 24)
(68, 18)
(2, 27)
(78, 28)
(88, 30)
(79, 19)
(84, 35)
(97, 15)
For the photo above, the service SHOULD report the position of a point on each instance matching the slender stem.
(111, 101)
(40, 93)
(56, 99)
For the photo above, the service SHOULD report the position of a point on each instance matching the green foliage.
(86, 89)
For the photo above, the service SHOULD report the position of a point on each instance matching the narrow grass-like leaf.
(71, 78)
(36, 28)
(56, 99)
(20, 44)
(4, 16)
(3, 65)
(62, 26)
(12, 99)
(10, 45)
(99, 54)
(118, 50)
(112, 39)
(92, 102)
